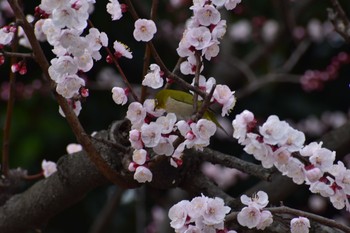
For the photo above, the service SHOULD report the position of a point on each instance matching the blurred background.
(281, 57)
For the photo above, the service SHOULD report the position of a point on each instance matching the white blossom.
(152, 78)
(144, 30)
(299, 225)
(178, 214)
(150, 134)
(143, 174)
(114, 9)
(139, 156)
(73, 148)
(70, 86)
(48, 168)
(215, 211)
(119, 96)
(249, 217)
(136, 114)
(121, 50)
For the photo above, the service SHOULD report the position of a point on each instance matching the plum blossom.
(259, 200)
(265, 220)
(150, 134)
(70, 86)
(224, 96)
(153, 78)
(135, 139)
(178, 214)
(242, 124)
(207, 15)
(204, 129)
(323, 158)
(143, 174)
(253, 215)
(144, 30)
(231, 4)
(215, 211)
(48, 167)
(121, 50)
(114, 9)
(139, 156)
(6, 35)
(249, 217)
(119, 96)
(199, 37)
(76, 106)
(274, 131)
(299, 225)
(136, 114)
(165, 145)
(73, 148)
(201, 214)
(150, 107)
(167, 123)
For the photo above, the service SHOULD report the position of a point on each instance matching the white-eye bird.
(181, 103)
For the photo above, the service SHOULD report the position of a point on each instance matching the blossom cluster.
(203, 32)
(315, 79)
(157, 129)
(202, 38)
(275, 143)
(201, 214)
(253, 215)
(153, 128)
(62, 24)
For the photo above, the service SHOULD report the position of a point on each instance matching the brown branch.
(216, 157)
(340, 12)
(324, 221)
(73, 121)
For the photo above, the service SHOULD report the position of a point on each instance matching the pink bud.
(84, 92)
(23, 70)
(15, 68)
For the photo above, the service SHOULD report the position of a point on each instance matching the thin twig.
(243, 68)
(295, 56)
(205, 104)
(101, 222)
(196, 82)
(10, 104)
(267, 79)
(15, 54)
(116, 63)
